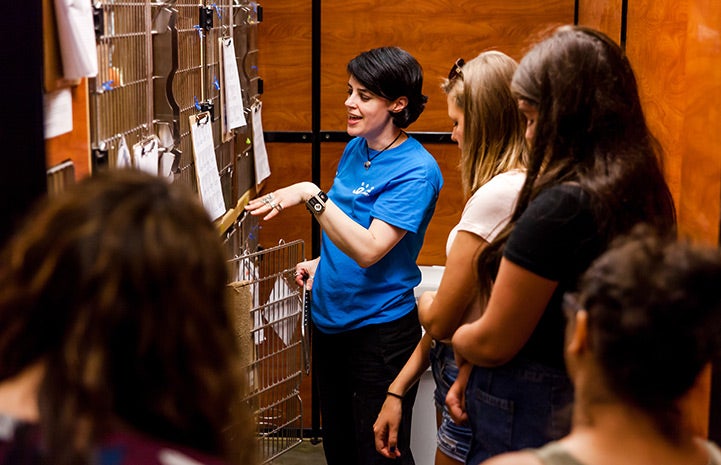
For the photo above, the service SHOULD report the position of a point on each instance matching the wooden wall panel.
(655, 41)
(700, 199)
(675, 48)
(289, 163)
(284, 64)
(435, 32)
(449, 207)
(604, 15)
(74, 145)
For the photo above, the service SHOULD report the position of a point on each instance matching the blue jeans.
(452, 439)
(354, 370)
(522, 404)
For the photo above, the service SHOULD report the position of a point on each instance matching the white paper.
(58, 112)
(260, 154)
(206, 167)
(231, 89)
(282, 311)
(123, 159)
(145, 155)
(76, 35)
(166, 164)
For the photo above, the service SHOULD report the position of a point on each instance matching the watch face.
(317, 207)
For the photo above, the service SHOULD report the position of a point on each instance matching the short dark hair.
(391, 72)
(654, 318)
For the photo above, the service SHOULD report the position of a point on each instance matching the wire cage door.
(275, 366)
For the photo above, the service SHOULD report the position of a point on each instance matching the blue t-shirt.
(401, 188)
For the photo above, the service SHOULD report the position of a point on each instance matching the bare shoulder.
(513, 458)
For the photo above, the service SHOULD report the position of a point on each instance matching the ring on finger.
(271, 204)
(269, 196)
(278, 206)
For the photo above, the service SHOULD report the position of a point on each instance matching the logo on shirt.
(364, 189)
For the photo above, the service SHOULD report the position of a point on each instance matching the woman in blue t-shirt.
(373, 221)
(593, 173)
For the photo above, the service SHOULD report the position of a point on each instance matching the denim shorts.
(453, 439)
(522, 404)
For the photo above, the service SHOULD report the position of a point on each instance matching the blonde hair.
(493, 128)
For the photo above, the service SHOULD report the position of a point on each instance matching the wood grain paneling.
(700, 200)
(700, 190)
(435, 32)
(74, 145)
(284, 64)
(289, 163)
(449, 207)
(675, 47)
(655, 44)
(604, 15)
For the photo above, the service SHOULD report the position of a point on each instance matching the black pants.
(354, 370)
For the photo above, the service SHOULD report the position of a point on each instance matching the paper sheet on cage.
(260, 154)
(281, 311)
(145, 155)
(76, 35)
(231, 92)
(206, 166)
(58, 112)
(123, 159)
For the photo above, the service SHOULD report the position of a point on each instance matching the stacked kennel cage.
(160, 65)
(276, 335)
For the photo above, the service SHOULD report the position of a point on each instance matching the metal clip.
(206, 17)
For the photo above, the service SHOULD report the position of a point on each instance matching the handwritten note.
(260, 154)
(206, 167)
(232, 92)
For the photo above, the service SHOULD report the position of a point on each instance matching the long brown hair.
(590, 130)
(118, 287)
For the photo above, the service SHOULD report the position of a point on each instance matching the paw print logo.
(364, 189)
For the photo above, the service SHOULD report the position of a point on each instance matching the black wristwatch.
(316, 204)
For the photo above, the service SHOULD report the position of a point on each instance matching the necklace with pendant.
(367, 163)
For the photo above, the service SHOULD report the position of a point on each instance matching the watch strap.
(316, 204)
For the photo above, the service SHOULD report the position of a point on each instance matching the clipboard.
(206, 165)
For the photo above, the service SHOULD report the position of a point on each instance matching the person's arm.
(517, 302)
(386, 425)
(441, 313)
(364, 246)
(456, 397)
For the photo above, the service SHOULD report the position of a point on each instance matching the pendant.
(367, 164)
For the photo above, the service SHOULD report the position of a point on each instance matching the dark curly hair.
(391, 72)
(118, 287)
(654, 319)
